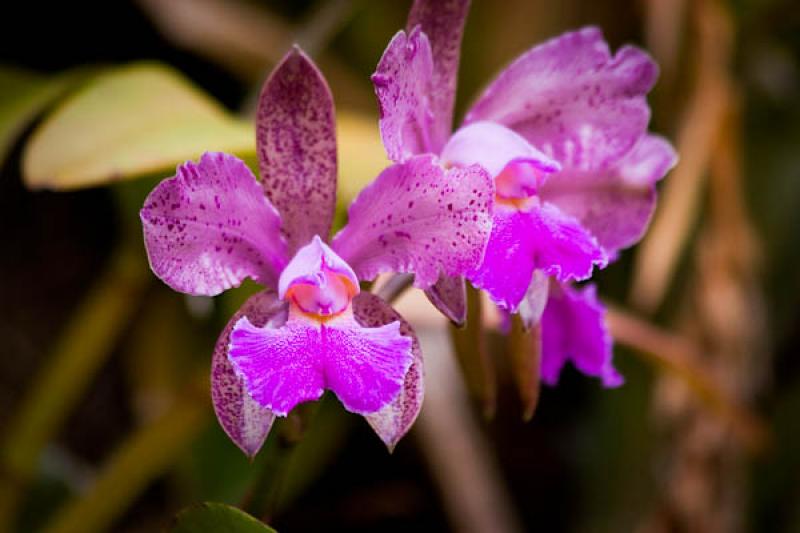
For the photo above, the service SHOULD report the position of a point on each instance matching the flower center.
(518, 183)
(317, 283)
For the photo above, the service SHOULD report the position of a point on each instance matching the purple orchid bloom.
(213, 224)
(563, 132)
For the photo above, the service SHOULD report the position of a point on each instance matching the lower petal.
(394, 420)
(245, 421)
(449, 296)
(280, 366)
(574, 329)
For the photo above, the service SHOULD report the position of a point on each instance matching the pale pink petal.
(418, 218)
(523, 241)
(572, 100)
(493, 147)
(394, 420)
(309, 262)
(296, 141)
(284, 366)
(615, 204)
(574, 329)
(443, 22)
(245, 421)
(532, 305)
(449, 296)
(210, 226)
(402, 85)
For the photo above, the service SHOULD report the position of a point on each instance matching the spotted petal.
(209, 227)
(443, 23)
(571, 99)
(615, 204)
(523, 241)
(296, 141)
(416, 217)
(284, 366)
(573, 329)
(402, 82)
(394, 420)
(244, 420)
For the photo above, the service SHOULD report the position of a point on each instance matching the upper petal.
(574, 329)
(402, 82)
(394, 420)
(571, 99)
(242, 418)
(543, 239)
(209, 227)
(296, 141)
(615, 203)
(416, 217)
(443, 22)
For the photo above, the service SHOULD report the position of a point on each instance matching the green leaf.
(24, 95)
(217, 518)
(128, 122)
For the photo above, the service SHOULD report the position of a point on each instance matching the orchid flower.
(214, 224)
(563, 132)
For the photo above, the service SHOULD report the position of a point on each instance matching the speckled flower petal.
(572, 100)
(449, 296)
(615, 204)
(574, 329)
(209, 227)
(284, 366)
(543, 239)
(245, 421)
(296, 141)
(416, 217)
(402, 85)
(394, 420)
(443, 23)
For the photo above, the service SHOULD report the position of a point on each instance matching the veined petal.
(284, 366)
(296, 141)
(245, 421)
(449, 296)
(394, 420)
(402, 82)
(210, 226)
(493, 147)
(615, 204)
(418, 218)
(571, 99)
(574, 329)
(523, 241)
(443, 22)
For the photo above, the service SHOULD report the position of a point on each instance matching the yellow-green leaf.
(125, 123)
(214, 517)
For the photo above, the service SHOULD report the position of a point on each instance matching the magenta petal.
(449, 296)
(571, 99)
(284, 366)
(574, 329)
(394, 420)
(544, 239)
(443, 22)
(209, 227)
(296, 141)
(418, 218)
(615, 204)
(402, 85)
(244, 420)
